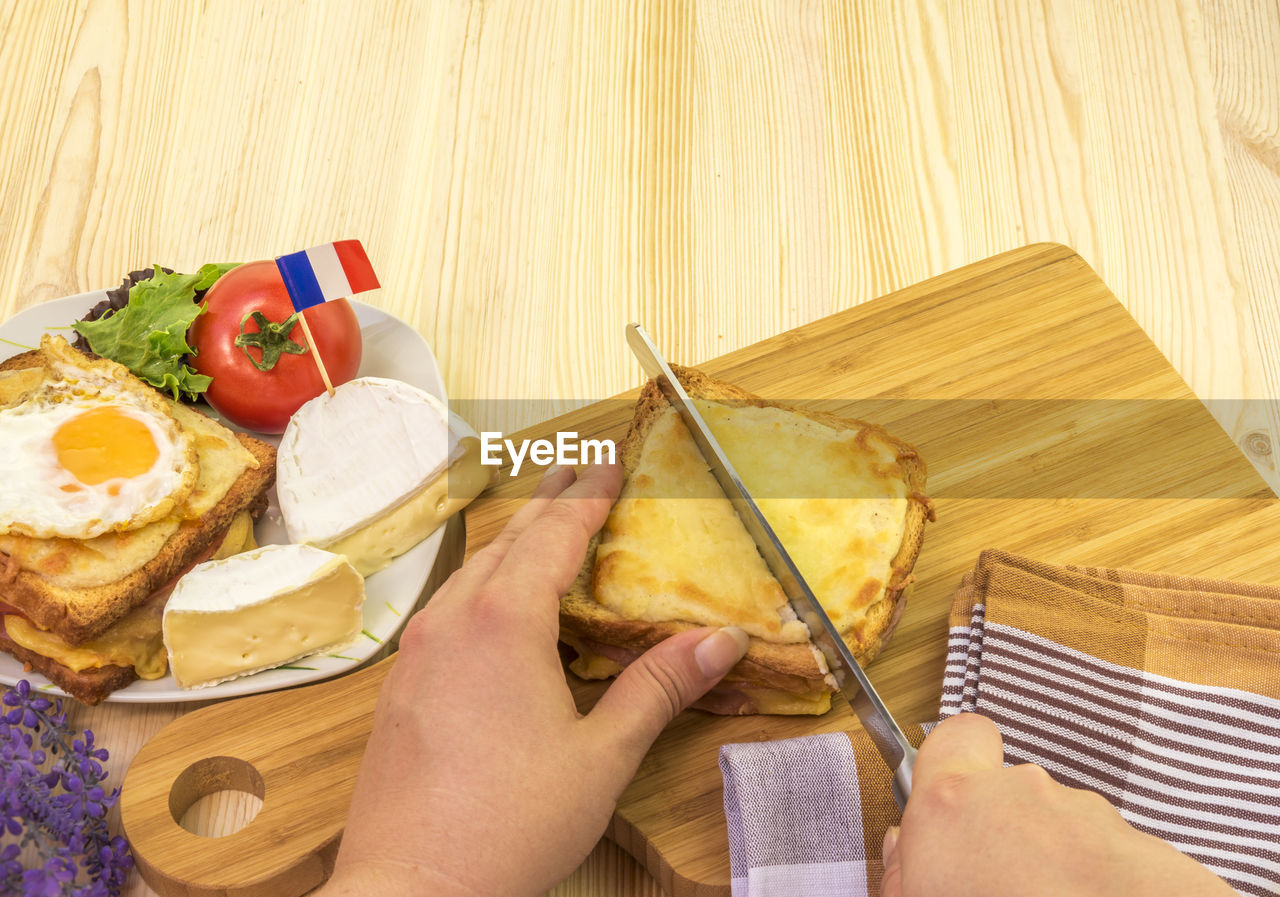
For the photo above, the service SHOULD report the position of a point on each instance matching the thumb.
(961, 744)
(663, 681)
(891, 881)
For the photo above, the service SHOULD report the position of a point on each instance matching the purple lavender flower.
(53, 799)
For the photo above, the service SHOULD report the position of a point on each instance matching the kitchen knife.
(862, 697)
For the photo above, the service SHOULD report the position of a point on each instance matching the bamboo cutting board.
(1051, 426)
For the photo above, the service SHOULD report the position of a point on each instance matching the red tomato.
(264, 400)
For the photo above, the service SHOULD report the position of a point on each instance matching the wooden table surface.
(528, 177)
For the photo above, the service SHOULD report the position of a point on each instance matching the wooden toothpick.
(315, 353)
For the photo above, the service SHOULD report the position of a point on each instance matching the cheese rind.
(258, 610)
(348, 459)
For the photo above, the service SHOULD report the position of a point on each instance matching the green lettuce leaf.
(149, 335)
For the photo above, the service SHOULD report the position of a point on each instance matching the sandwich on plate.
(845, 497)
(109, 492)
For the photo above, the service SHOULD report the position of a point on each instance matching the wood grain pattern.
(530, 176)
(299, 762)
(1243, 47)
(1032, 324)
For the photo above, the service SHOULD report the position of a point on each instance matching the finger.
(555, 479)
(660, 683)
(891, 882)
(481, 565)
(547, 555)
(961, 744)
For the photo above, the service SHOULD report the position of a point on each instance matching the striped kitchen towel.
(807, 816)
(1160, 692)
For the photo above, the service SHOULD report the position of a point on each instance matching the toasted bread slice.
(78, 614)
(88, 686)
(78, 588)
(844, 495)
(93, 670)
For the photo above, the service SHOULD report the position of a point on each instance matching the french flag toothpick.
(326, 272)
(322, 274)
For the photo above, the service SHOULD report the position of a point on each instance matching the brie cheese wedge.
(374, 469)
(258, 610)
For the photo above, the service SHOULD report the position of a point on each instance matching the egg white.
(33, 501)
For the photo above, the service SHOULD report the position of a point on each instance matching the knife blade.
(854, 684)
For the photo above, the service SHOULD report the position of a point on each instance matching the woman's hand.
(973, 827)
(480, 777)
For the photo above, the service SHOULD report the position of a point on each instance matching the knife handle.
(297, 750)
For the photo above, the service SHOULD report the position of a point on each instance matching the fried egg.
(91, 450)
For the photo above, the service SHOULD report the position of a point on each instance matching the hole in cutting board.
(216, 796)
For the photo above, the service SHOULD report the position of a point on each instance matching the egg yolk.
(104, 444)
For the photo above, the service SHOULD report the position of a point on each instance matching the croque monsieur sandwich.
(109, 492)
(844, 496)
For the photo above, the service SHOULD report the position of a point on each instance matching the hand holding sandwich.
(480, 776)
(973, 827)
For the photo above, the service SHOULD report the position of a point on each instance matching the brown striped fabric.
(1160, 692)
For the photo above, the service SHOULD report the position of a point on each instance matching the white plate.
(392, 349)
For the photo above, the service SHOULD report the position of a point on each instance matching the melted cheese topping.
(85, 563)
(674, 549)
(133, 641)
(239, 537)
(222, 460)
(16, 385)
(780, 703)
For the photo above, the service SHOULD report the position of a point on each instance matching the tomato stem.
(271, 338)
